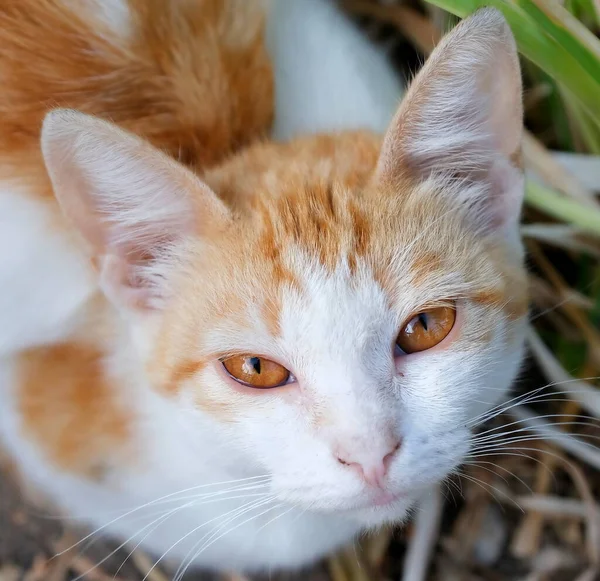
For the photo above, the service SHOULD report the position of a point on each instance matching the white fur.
(43, 280)
(112, 14)
(328, 75)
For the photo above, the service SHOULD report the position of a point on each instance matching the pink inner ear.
(116, 282)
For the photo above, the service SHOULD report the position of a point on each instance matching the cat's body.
(321, 251)
(328, 75)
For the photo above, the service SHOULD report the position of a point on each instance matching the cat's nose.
(371, 464)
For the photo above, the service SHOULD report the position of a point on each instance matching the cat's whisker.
(499, 431)
(540, 389)
(547, 398)
(157, 522)
(540, 398)
(450, 482)
(501, 446)
(232, 514)
(526, 435)
(193, 552)
(197, 500)
(282, 514)
(154, 524)
(214, 539)
(259, 481)
(209, 500)
(169, 497)
(489, 488)
(514, 451)
(483, 465)
(543, 398)
(525, 397)
(552, 434)
(244, 497)
(187, 560)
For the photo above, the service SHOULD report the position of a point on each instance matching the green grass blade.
(561, 25)
(566, 209)
(536, 45)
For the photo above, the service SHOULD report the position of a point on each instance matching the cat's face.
(302, 336)
(349, 311)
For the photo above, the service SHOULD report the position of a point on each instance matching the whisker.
(275, 518)
(516, 422)
(153, 503)
(490, 488)
(491, 437)
(214, 540)
(519, 399)
(157, 522)
(519, 452)
(187, 535)
(98, 564)
(583, 450)
(479, 464)
(171, 514)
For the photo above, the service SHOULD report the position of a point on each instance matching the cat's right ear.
(461, 123)
(132, 204)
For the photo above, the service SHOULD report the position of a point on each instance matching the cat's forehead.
(325, 252)
(356, 236)
(317, 240)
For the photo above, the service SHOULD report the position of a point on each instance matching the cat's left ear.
(133, 205)
(461, 122)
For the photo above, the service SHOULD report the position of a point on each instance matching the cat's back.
(329, 75)
(191, 76)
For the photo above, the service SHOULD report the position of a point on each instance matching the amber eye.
(426, 329)
(256, 371)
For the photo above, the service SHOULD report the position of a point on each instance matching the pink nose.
(372, 467)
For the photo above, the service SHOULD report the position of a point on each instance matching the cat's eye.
(256, 371)
(426, 329)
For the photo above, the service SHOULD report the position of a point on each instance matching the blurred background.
(528, 510)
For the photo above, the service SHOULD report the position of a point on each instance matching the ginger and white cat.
(245, 362)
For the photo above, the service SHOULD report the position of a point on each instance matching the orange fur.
(70, 409)
(193, 78)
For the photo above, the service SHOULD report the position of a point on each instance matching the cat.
(287, 345)
(328, 75)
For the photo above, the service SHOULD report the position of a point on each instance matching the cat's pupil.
(255, 364)
(423, 320)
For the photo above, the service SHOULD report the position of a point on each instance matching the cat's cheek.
(445, 344)
(288, 391)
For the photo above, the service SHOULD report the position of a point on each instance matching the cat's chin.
(380, 513)
(377, 511)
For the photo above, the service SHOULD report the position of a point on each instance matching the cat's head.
(343, 310)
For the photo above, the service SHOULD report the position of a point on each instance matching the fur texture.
(328, 75)
(312, 253)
